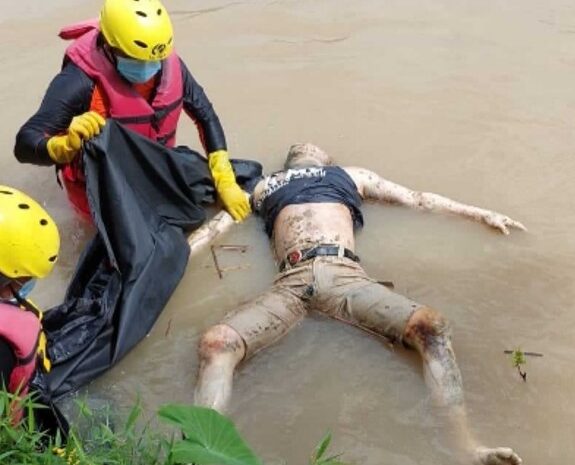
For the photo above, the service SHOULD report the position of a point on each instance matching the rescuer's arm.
(371, 186)
(68, 95)
(200, 109)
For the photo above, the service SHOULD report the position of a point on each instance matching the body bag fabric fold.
(144, 198)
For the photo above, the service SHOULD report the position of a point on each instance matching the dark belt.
(298, 256)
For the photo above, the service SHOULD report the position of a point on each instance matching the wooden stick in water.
(216, 263)
(530, 354)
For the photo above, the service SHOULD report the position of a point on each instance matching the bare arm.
(371, 186)
(208, 232)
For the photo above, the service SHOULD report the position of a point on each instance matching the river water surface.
(474, 100)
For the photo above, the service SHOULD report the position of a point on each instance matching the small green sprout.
(518, 360)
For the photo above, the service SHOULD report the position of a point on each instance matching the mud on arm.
(210, 231)
(371, 186)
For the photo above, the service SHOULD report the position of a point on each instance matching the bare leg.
(428, 332)
(245, 331)
(221, 349)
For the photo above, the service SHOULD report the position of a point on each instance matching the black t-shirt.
(315, 184)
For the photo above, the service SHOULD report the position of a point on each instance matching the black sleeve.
(7, 363)
(200, 109)
(68, 95)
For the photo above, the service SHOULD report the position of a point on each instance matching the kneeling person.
(29, 246)
(310, 212)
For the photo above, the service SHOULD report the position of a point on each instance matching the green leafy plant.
(518, 359)
(318, 456)
(129, 443)
(209, 437)
(95, 444)
(22, 443)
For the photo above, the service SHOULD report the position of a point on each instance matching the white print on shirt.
(278, 180)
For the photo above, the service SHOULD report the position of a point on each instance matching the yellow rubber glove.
(63, 149)
(233, 197)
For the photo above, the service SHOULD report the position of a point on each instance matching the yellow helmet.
(140, 28)
(29, 238)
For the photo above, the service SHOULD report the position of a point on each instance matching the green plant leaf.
(322, 447)
(133, 417)
(210, 438)
(4, 403)
(333, 460)
(5, 455)
(200, 454)
(84, 409)
(518, 358)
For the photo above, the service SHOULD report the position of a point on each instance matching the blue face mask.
(137, 71)
(25, 290)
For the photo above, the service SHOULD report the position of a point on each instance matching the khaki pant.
(336, 286)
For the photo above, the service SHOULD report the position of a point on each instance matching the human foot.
(496, 456)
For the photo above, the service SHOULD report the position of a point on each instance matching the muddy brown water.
(471, 99)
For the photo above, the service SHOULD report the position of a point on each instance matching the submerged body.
(313, 243)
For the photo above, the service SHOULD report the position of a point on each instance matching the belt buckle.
(294, 257)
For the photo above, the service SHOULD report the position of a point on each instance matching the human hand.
(64, 148)
(501, 222)
(233, 197)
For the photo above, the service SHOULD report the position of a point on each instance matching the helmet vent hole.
(141, 44)
(142, 14)
(53, 258)
(7, 192)
(44, 222)
(170, 41)
(159, 11)
(24, 206)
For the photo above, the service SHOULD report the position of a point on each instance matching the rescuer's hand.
(63, 149)
(233, 197)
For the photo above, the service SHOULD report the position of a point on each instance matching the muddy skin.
(429, 333)
(212, 348)
(220, 350)
(305, 226)
(373, 187)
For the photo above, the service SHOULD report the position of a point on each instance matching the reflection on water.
(470, 99)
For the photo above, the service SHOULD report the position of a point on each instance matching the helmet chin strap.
(15, 294)
(23, 302)
(109, 51)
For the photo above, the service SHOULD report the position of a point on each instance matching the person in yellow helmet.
(123, 66)
(29, 247)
